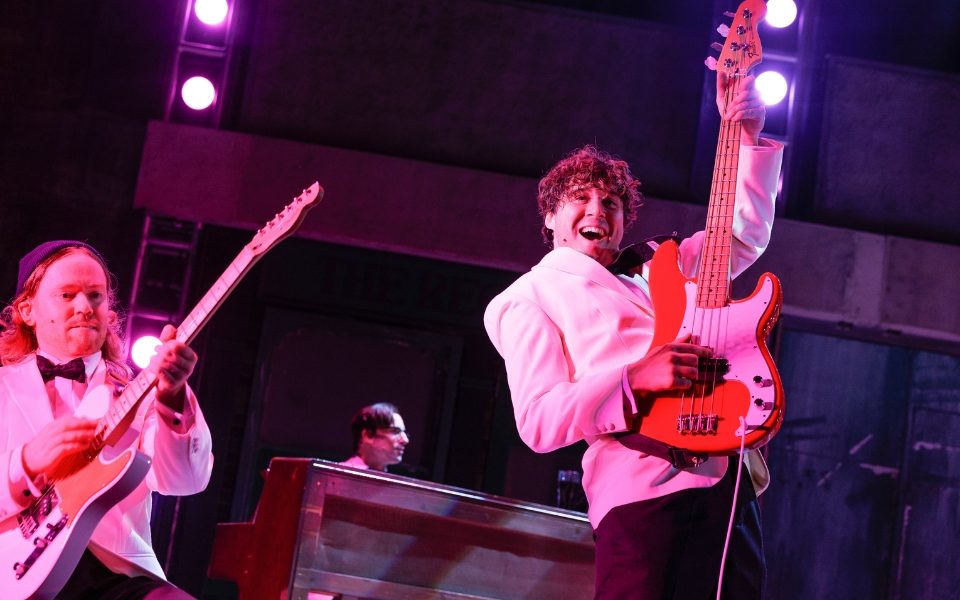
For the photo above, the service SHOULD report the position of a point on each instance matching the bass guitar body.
(41, 546)
(739, 380)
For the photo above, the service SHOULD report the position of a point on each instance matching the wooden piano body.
(322, 530)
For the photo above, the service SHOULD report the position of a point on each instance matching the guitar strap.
(680, 459)
(634, 255)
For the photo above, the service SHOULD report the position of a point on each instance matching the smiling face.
(69, 312)
(589, 220)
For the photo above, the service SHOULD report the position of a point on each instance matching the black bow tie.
(75, 369)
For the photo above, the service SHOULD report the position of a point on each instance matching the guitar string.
(703, 282)
(713, 320)
(729, 185)
(144, 381)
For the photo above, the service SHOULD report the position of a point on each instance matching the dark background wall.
(428, 124)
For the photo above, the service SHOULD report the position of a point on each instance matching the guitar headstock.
(286, 221)
(741, 50)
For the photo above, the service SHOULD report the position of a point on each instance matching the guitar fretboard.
(713, 277)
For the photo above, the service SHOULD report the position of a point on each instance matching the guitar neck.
(201, 314)
(215, 296)
(740, 53)
(713, 277)
(282, 225)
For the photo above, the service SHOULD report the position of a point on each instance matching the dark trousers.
(91, 580)
(669, 548)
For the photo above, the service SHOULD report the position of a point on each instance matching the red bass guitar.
(740, 379)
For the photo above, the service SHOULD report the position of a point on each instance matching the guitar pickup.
(712, 366)
(30, 518)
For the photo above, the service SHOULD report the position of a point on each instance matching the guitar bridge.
(30, 518)
(39, 545)
(710, 368)
(698, 424)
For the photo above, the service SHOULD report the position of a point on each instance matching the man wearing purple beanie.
(61, 341)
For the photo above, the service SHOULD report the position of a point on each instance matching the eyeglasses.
(394, 431)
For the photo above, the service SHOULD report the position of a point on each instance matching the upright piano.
(324, 531)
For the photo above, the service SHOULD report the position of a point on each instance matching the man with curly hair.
(61, 342)
(576, 340)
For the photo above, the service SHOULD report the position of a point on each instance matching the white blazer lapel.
(570, 261)
(29, 394)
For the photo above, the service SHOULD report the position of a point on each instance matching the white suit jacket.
(568, 329)
(182, 464)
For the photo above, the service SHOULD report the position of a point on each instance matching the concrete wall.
(878, 283)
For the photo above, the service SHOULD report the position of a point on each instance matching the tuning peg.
(727, 13)
(711, 63)
(717, 46)
(723, 29)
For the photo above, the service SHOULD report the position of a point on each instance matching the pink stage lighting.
(772, 87)
(781, 13)
(198, 93)
(143, 350)
(211, 12)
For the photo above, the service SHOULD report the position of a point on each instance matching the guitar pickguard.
(741, 380)
(57, 526)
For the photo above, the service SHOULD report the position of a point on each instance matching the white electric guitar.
(40, 546)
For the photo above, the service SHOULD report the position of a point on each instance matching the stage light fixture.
(143, 350)
(204, 50)
(781, 13)
(772, 87)
(198, 93)
(142, 333)
(211, 12)
(160, 282)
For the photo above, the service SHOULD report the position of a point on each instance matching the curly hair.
(594, 167)
(19, 339)
(369, 419)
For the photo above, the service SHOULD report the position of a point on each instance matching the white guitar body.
(40, 547)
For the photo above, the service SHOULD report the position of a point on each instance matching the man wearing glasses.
(379, 437)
